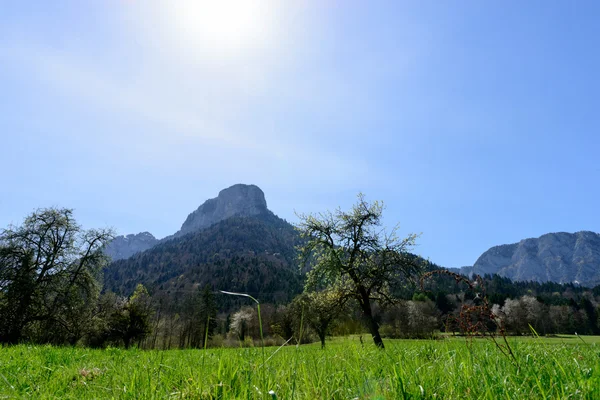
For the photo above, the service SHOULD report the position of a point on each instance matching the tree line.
(358, 279)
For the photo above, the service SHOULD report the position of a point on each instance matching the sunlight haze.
(475, 122)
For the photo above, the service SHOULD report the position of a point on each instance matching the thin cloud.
(114, 97)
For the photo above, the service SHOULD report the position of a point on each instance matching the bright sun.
(220, 25)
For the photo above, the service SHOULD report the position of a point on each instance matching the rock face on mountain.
(557, 257)
(125, 246)
(467, 271)
(238, 200)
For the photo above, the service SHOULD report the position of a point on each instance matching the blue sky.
(476, 122)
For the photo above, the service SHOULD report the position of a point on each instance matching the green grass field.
(560, 367)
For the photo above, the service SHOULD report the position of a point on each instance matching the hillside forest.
(57, 286)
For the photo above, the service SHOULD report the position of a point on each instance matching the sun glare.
(220, 25)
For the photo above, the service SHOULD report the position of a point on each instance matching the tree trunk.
(13, 336)
(155, 336)
(18, 318)
(365, 304)
(322, 337)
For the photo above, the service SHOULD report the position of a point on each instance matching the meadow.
(565, 367)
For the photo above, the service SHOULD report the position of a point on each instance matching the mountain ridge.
(236, 200)
(125, 246)
(557, 256)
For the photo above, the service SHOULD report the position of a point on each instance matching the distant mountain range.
(125, 246)
(234, 241)
(238, 200)
(557, 257)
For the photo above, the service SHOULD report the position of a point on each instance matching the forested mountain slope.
(239, 200)
(254, 255)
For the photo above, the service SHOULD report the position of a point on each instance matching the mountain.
(233, 243)
(467, 270)
(558, 257)
(237, 200)
(126, 246)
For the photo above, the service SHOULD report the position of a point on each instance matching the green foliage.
(130, 320)
(208, 313)
(351, 254)
(121, 321)
(252, 255)
(199, 317)
(50, 277)
(319, 310)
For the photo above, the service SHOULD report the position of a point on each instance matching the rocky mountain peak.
(237, 200)
(126, 246)
(559, 257)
